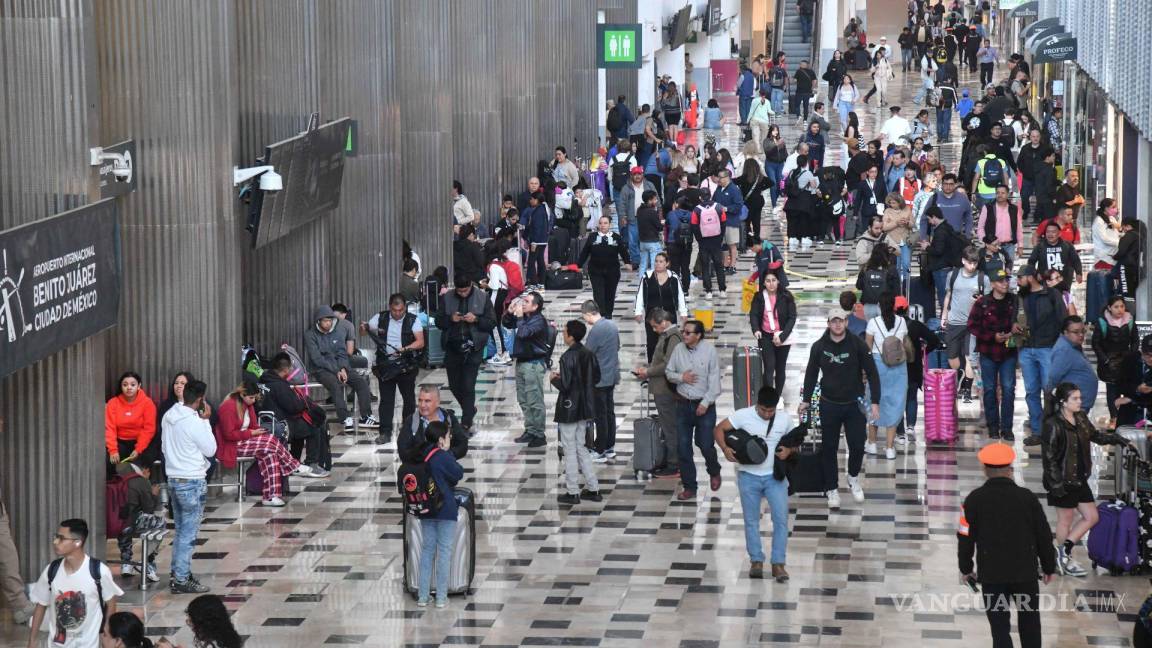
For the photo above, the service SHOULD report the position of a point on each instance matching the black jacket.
(785, 313)
(1112, 345)
(468, 259)
(280, 398)
(411, 445)
(782, 468)
(923, 341)
(579, 373)
(1045, 312)
(1068, 453)
(1029, 160)
(840, 367)
(1133, 373)
(476, 303)
(946, 249)
(1005, 527)
(600, 257)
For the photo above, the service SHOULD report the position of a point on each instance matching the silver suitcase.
(463, 551)
(1125, 463)
(647, 439)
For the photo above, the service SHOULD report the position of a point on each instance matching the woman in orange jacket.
(129, 421)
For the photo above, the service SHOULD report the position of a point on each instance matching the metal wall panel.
(424, 72)
(581, 96)
(279, 88)
(179, 307)
(50, 412)
(476, 128)
(518, 111)
(550, 66)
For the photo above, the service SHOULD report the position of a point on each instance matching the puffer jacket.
(1112, 344)
(579, 373)
(1067, 453)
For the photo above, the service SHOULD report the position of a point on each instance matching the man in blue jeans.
(1044, 313)
(805, 8)
(757, 482)
(991, 321)
(745, 89)
(188, 442)
(695, 370)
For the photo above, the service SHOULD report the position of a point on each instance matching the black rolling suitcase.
(463, 551)
(430, 297)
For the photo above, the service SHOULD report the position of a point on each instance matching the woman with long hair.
(881, 74)
(1106, 231)
(129, 421)
(845, 97)
(893, 377)
(816, 145)
(672, 105)
(659, 287)
(124, 630)
(881, 263)
(175, 395)
(898, 226)
(852, 138)
(772, 318)
(1066, 437)
(690, 160)
(834, 73)
(775, 154)
(1114, 338)
(210, 624)
(239, 434)
(601, 256)
(752, 183)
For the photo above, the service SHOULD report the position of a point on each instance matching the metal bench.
(242, 465)
(153, 537)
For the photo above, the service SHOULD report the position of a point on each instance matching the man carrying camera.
(399, 336)
(467, 319)
(532, 350)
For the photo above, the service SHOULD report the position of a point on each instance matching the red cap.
(637, 169)
(901, 302)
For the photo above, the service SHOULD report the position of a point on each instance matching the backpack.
(550, 344)
(941, 55)
(299, 375)
(683, 232)
(792, 185)
(874, 281)
(115, 502)
(515, 280)
(620, 171)
(993, 172)
(615, 121)
(710, 221)
(421, 497)
(979, 282)
(778, 78)
(253, 363)
(93, 571)
(892, 351)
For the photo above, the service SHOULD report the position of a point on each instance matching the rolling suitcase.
(647, 439)
(1114, 543)
(1130, 470)
(939, 405)
(747, 376)
(1099, 289)
(430, 296)
(463, 551)
(435, 347)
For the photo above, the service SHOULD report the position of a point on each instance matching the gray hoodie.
(325, 351)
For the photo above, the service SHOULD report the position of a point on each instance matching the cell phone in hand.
(972, 584)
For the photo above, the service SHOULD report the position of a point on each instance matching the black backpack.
(874, 281)
(421, 497)
(93, 571)
(620, 171)
(792, 185)
(615, 121)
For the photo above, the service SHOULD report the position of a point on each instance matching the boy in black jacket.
(138, 515)
(575, 410)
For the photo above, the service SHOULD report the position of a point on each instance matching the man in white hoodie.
(188, 442)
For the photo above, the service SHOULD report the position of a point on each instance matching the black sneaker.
(591, 495)
(384, 438)
(568, 499)
(1008, 436)
(524, 438)
(190, 586)
(1032, 440)
(537, 442)
(993, 434)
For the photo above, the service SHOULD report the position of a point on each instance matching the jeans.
(604, 291)
(1027, 189)
(1002, 373)
(711, 260)
(462, 370)
(633, 240)
(699, 429)
(940, 279)
(943, 123)
(775, 173)
(680, 256)
(436, 544)
(753, 488)
(911, 403)
(999, 598)
(843, 108)
(806, 27)
(605, 418)
(906, 56)
(1010, 250)
(576, 457)
(335, 389)
(530, 395)
(834, 416)
(666, 408)
(536, 265)
(904, 263)
(187, 509)
(406, 383)
(1034, 364)
(777, 97)
(745, 106)
(648, 252)
(803, 101)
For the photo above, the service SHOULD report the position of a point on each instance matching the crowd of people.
(941, 266)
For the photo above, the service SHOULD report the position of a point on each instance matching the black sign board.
(118, 178)
(1026, 10)
(1054, 48)
(59, 283)
(1143, 328)
(1037, 25)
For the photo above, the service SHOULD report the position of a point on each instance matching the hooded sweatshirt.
(135, 421)
(840, 366)
(325, 351)
(188, 442)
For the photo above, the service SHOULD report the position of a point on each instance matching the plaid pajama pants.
(273, 459)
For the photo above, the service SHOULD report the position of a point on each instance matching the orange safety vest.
(962, 525)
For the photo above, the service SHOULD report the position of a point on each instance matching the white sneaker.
(833, 499)
(870, 448)
(890, 453)
(793, 244)
(724, 292)
(349, 424)
(597, 457)
(151, 574)
(854, 486)
(302, 471)
(610, 453)
(901, 441)
(275, 501)
(129, 569)
(805, 244)
(708, 295)
(910, 434)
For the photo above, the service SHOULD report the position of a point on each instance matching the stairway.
(791, 42)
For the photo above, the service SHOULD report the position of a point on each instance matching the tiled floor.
(640, 569)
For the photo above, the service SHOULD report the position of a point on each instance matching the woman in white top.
(882, 73)
(690, 160)
(893, 378)
(920, 201)
(1106, 233)
(498, 291)
(846, 97)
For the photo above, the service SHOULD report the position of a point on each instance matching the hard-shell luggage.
(705, 316)
(1099, 289)
(463, 551)
(747, 375)
(1114, 543)
(435, 346)
(807, 474)
(1131, 470)
(940, 405)
(430, 296)
(647, 439)
(563, 279)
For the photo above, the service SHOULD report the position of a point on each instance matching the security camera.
(270, 181)
(122, 174)
(120, 163)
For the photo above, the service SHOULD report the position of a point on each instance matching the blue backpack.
(1114, 542)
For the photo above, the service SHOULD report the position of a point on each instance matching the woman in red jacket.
(238, 434)
(129, 421)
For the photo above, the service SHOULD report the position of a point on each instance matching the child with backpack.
(437, 477)
(137, 514)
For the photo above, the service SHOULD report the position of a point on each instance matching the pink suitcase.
(940, 405)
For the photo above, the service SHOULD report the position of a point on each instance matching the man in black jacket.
(575, 410)
(1055, 253)
(1029, 159)
(944, 251)
(305, 424)
(467, 255)
(839, 361)
(1135, 385)
(467, 319)
(411, 445)
(1044, 313)
(1005, 527)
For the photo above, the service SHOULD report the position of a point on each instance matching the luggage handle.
(645, 398)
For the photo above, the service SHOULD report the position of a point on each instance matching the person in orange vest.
(1004, 525)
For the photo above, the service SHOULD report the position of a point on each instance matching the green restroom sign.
(618, 46)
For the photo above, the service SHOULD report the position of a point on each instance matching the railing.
(778, 36)
(814, 41)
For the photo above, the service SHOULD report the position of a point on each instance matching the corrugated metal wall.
(516, 58)
(51, 412)
(179, 307)
(476, 34)
(581, 93)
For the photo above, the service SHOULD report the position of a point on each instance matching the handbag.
(395, 366)
(806, 473)
(748, 448)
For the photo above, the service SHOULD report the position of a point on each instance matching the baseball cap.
(1146, 344)
(837, 313)
(1026, 270)
(998, 275)
(637, 169)
(996, 455)
(901, 302)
